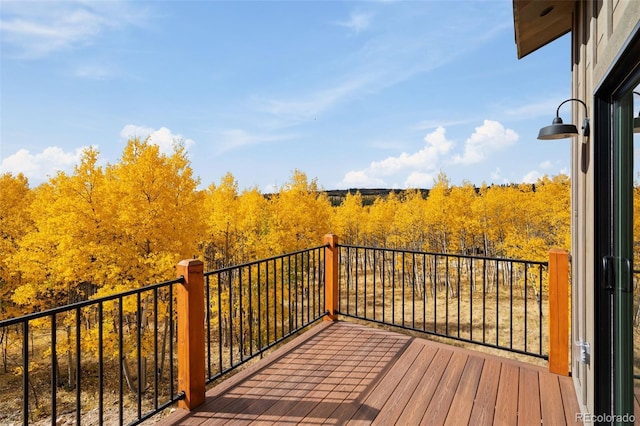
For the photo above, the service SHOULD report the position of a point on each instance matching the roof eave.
(539, 22)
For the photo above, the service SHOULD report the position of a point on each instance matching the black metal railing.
(114, 359)
(120, 350)
(109, 357)
(252, 307)
(500, 303)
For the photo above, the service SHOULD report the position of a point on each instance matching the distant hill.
(336, 196)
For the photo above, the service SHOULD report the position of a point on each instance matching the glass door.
(614, 202)
(623, 255)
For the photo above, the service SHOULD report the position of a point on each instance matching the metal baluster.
(54, 370)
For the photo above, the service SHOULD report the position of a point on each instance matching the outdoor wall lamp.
(636, 121)
(559, 130)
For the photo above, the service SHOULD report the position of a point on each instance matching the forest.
(105, 229)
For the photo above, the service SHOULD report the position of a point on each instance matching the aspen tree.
(15, 222)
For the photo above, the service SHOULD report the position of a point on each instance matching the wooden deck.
(343, 373)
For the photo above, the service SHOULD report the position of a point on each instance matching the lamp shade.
(558, 130)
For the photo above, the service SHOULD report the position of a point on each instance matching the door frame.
(613, 209)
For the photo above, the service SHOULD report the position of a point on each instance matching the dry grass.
(40, 385)
(480, 316)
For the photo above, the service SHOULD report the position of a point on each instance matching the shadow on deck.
(343, 373)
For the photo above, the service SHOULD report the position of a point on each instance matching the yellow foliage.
(517, 221)
(380, 222)
(15, 223)
(349, 220)
(102, 230)
(24, 294)
(299, 214)
(411, 222)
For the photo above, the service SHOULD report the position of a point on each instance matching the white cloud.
(490, 137)
(531, 177)
(40, 38)
(163, 137)
(37, 31)
(270, 188)
(40, 166)
(359, 179)
(417, 164)
(358, 21)
(237, 138)
(419, 180)
(94, 72)
(496, 174)
(434, 124)
(534, 109)
(390, 144)
(534, 175)
(380, 63)
(427, 158)
(309, 106)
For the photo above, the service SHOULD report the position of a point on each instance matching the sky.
(367, 94)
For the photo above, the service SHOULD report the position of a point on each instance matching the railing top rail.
(255, 262)
(458, 255)
(85, 303)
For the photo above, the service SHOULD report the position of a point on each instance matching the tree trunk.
(70, 372)
(127, 374)
(163, 346)
(142, 375)
(3, 343)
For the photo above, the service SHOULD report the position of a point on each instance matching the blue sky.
(354, 94)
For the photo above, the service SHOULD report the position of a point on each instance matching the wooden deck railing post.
(191, 354)
(559, 312)
(331, 276)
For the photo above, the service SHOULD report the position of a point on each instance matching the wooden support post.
(559, 312)
(191, 359)
(331, 276)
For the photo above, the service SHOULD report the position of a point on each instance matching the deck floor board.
(343, 373)
(485, 402)
(507, 397)
(551, 400)
(462, 404)
(529, 398)
(395, 405)
(440, 404)
(424, 391)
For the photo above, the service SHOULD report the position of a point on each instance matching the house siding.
(600, 31)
